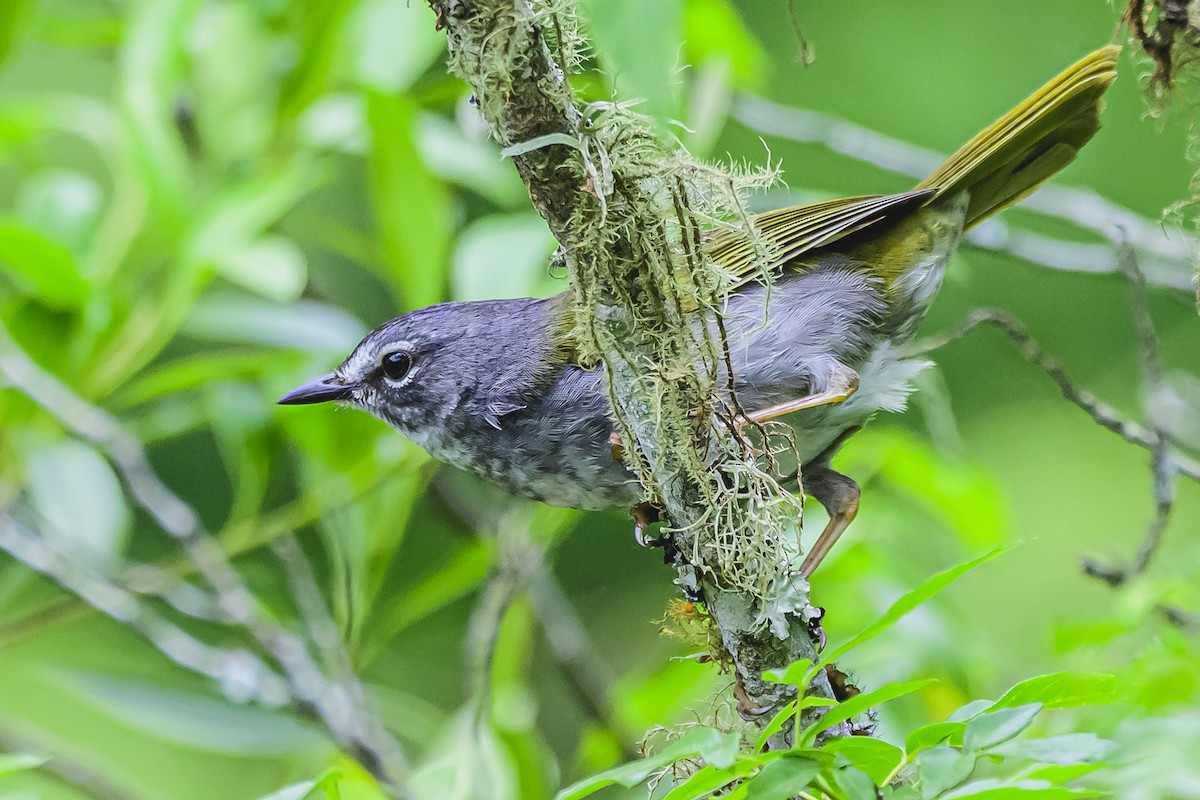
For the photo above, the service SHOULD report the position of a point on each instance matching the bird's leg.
(644, 514)
(842, 384)
(839, 495)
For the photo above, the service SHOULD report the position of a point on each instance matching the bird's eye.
(396, 365)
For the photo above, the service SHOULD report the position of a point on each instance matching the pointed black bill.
(322, 390)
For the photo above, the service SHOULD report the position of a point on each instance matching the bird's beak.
(322, 390)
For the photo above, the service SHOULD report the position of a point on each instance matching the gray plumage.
(545, 434)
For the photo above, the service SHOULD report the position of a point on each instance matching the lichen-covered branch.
(627, 210)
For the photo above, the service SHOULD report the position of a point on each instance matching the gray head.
(416, 370)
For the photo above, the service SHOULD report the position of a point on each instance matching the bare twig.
(241, 674)
(1152, 375)
(1105, 415)
(1165, 251)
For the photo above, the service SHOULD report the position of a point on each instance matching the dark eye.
(396, 365)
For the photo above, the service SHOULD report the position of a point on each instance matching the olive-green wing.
(786, 234)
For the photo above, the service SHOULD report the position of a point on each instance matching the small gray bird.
(490, 386)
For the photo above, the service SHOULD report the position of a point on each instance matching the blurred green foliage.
(203, 202)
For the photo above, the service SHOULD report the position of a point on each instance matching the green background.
(204, 203)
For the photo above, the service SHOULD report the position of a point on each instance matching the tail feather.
(1021, 150)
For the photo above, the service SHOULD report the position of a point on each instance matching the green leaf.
(781, 718)
(907, 603)
(503, 256)
(994, 727)
(12, 13)
(715, 31)
(633, 773)
(797, 674)
(857, 705)
(709, 779)
(77, 494)
(40, 267)
(393, 44)
(306, 326)
(1062, 690)
(1060, 773)
(1067, 749)
(473, 164)
(782, 779)
(411, 207)
(875, 757)
(855, 784)
(272, 266)
(971, 710)
(639, 44)
(930, 735)
(193, 720)
(1021, 790)
(942, 768)
(19, 762)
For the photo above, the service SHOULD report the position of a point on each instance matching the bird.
(495, 388)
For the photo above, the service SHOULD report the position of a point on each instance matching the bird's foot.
(644, 515)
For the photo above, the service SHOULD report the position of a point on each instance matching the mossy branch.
(628, 210)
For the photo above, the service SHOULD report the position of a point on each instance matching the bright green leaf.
(40, 267)
(1062, 690)
(782, 779)
(19, 762)
(709, 779)
(971, 710)
(875, 757)
(994, 727)
(629, 775)
(930, 735)
(795, 674)
(907, 603)
(411, 206)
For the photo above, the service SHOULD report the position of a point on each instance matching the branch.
(626, 209)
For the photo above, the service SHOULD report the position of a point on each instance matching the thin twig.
(1152, 375)
(241, 674)
(1105, 415)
